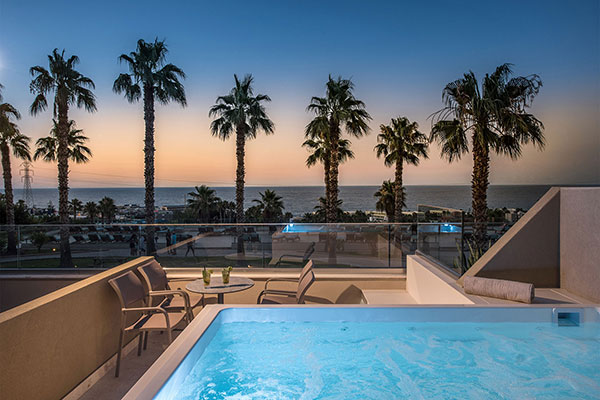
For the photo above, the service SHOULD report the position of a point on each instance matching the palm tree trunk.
(333, 192)
(333, 175)
(479, 186)
(327, 170)
(398, 192)
(240, 175)
(11, 247)
(149, 166)
(62, 155)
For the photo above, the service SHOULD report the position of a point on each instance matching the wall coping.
(67, 290)
(320, 273)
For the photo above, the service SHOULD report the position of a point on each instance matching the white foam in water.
(390, 360)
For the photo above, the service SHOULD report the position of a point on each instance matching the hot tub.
(365, 352)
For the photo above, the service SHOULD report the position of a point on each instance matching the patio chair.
(157, 285)
(307, 268)
(294, 258)
(130, 291)
(283, 297)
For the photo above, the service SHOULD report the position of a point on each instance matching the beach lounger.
(293, 258)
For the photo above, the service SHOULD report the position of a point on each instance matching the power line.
(188, 181)
(137, 177)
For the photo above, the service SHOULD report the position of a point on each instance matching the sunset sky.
(400, 57)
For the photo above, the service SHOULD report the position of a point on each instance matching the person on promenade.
(174, 242)
(168, 240)
(133, 245)
(142, 245)
(190, 247)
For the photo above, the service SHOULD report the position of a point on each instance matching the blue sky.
(400, 56)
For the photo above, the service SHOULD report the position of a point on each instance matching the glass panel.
(368, 245)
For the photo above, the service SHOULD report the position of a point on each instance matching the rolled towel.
(500, 289)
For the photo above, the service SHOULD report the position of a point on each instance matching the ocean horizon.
(302, 199)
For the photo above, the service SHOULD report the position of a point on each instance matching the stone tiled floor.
(132, 368)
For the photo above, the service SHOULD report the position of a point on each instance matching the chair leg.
(140, 339)
(119, 354)
(170, 336)
(145, 340)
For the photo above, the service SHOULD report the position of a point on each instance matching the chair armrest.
(182, 293)
(151, 310)
(145, 309)
(293, 280)
(275, 292)
(289, 293)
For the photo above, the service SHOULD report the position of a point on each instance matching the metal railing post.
(18, 246)
(462, 241)
(389, 246)
(439, 239)
(139, 241)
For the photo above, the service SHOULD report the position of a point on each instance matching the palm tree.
(107, 209)
(149, 77)
(271, 206)
(386, 199)
(203, 202)
(10, 137)
(76, 205)
(77, 151)
(241, 112)
(319, 147)
(338, 110)
(399, 143)
(91, 210)
(226, 210)
(70, 88)
(496, 118)
(321, 210)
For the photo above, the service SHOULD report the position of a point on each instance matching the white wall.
(580, 241)
(428, 284)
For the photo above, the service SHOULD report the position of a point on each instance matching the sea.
(302, 199)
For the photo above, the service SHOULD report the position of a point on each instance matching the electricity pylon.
(27, 178)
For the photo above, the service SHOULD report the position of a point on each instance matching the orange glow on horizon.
(187, 154)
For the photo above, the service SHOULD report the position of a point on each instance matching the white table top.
(236, 284)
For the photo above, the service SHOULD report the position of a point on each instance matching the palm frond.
(452, 137)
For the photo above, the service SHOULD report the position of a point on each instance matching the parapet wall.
(580, 241)
(530, 250)
(50, 344)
